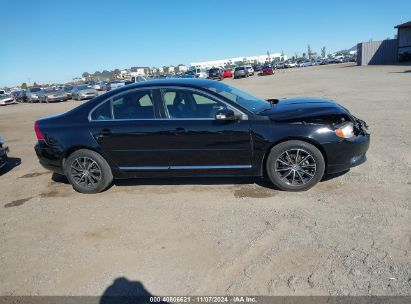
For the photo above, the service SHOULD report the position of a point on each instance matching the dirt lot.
(350, 234)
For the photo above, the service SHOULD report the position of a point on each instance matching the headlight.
(345, 130)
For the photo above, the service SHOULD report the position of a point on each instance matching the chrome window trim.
(243, 115)
(212, 97)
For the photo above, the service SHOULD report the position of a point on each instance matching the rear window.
(239, 69)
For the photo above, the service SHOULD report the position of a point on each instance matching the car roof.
(190, 82)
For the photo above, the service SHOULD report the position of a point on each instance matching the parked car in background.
(3, 153)
(250, 70)
(201, 73)
(257, 67)
(188, 74)
(304, 63)
(103, 86)
(32, 94)
(6, 99)
(83, 91)
(67, 89)
(240, 72)
(215, 73)
(289, 64)
(21, 96)
(198, 127)
(115, 84)
(228, 73)
(267, 70)
(280, 65)
(135, 79)
(52, 94)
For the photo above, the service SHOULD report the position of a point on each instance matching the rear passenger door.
(127, 129)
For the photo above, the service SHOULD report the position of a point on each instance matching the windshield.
(245, 100)
(35, 90)
(68, 88)
(83, 87)
(51, 90)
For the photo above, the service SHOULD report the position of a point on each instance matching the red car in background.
(267, 70)
(228, 73)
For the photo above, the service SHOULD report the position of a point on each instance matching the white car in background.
(6, 99)
(200, 73)
(250, 70)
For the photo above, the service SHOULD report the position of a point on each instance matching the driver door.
(193, 139)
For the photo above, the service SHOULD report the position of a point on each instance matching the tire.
(295, 165)
(86, 160)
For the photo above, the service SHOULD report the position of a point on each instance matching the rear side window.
(133, 105)
(102, 112)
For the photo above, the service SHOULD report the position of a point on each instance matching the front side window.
(133, 105)
(186, 104)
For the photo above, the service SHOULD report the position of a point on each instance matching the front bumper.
(3, 156)
(57, 98)
(86, 96)
(346, 153)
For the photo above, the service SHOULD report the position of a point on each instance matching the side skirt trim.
(183, 167)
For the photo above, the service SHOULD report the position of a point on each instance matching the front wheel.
(87, 171)
(295, 165)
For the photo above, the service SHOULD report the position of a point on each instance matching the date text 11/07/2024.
(205, 299)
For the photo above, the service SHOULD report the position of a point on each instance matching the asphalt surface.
(349, 235)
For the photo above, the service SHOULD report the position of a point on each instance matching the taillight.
(39, 135)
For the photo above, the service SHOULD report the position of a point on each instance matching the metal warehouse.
(389, 51)
(404, 41)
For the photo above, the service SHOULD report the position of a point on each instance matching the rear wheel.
(87, 171)
(295, 165)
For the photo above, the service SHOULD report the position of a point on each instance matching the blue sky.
(54, 41)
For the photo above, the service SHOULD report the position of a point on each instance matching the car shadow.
(186, 181)
(402, 72)
(12, 162)
(174, 181)
(328, 177)
(125, 291)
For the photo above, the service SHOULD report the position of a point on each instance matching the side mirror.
(225, 114)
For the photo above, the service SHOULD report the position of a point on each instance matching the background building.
(389, 51)
(239, 60)
(404, 41)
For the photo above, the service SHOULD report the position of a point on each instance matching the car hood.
(54, 93)
(288, 109)
(87, 91)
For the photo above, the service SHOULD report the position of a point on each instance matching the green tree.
(35, 84)
(23, 86)
(323, 52)
(85, 75)
(309, 52)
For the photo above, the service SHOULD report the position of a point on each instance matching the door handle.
(105, 132)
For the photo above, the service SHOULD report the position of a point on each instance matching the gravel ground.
(349, 235)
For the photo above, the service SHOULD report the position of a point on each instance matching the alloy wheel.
(85, 172)
(295, 167)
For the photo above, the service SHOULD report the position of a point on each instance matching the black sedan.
(3, 153)
(196, 127)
